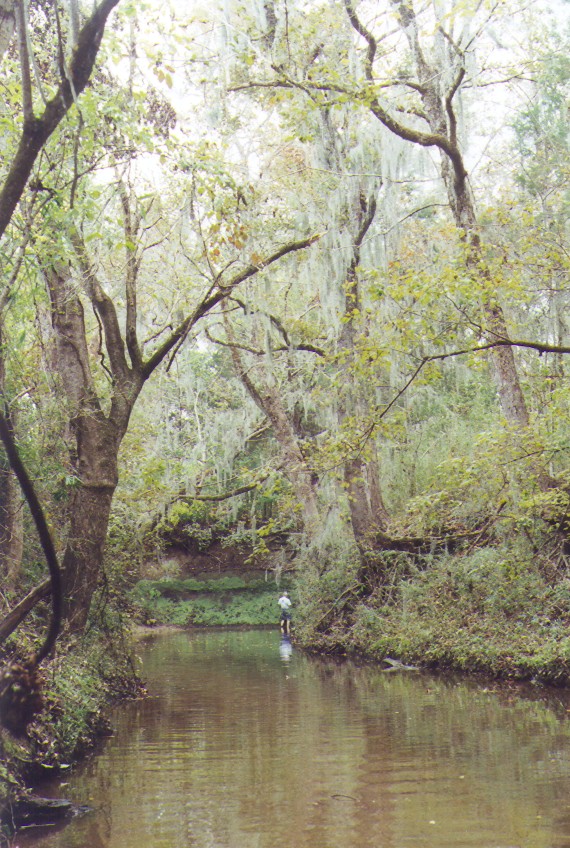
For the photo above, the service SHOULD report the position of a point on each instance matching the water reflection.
(230, 752)
(285, 648)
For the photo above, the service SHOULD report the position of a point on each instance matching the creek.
(244, 742)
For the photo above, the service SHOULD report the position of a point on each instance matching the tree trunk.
(294, 463)
(84, 549)
(11, 506)
(361, 475)
(97, 439)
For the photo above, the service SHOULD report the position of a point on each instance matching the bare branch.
(449, 106)
(241, 490)
(368, 37)
(18, 613)
(246, 348)
(424, 139)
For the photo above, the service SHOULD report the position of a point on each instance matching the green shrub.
(222, 601)
(491, 611)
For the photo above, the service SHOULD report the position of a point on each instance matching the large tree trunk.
(84, 549)
(97, 438)
(36, 129)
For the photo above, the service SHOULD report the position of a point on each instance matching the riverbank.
(471, 647)
(487, 612)
(499, 610)
(79, 686)
(204, 600)
(474, 615)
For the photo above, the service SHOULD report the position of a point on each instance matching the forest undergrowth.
(499, 610)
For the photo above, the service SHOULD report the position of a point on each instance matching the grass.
(208, 602)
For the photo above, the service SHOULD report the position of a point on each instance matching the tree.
(99, 420)
(69, 80)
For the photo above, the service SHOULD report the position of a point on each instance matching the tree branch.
(432, 139)
(131, 226)
(307, 348)
(280, 328)
(21, 610)
(217, 296)
(449, 105)
(241, 490)
(105, 310)
(36, 132)
(366, 35)
(436, 357)
(43, 532)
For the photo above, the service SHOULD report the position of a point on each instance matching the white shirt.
(284, 602)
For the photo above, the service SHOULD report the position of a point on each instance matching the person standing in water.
(285, 605)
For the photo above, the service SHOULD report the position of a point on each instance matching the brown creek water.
(240, 745)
